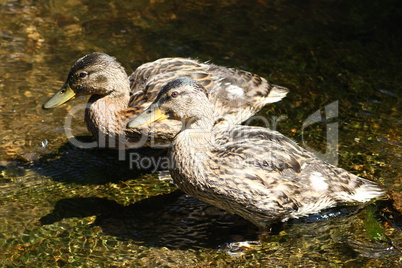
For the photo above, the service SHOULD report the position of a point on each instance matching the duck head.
(181, 99)
(94, 74)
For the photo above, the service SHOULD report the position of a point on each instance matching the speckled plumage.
(116, 98)
(254, 172)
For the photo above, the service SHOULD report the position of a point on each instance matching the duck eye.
(174, 94)
(83, 74)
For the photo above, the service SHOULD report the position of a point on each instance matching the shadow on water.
(173, 220)
(178, 221)
(96, 165)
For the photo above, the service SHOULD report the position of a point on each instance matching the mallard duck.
(116, 98)
(254, 172)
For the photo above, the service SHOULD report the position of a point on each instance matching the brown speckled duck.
(254, 172)
(116, 98)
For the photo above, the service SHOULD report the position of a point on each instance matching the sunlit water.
(65, 206)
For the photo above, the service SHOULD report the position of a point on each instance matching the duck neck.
(203, 123)
(198, 130)
(103, 114)
(199, 117)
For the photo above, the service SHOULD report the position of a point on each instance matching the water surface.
(62, 206)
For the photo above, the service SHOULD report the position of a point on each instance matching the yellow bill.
(150, 115)
(65, 94)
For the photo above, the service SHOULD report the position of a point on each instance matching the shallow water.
(67, 207)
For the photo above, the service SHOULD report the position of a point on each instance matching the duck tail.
(276, 93)
(356, 189)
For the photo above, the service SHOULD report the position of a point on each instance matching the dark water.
(68, 207)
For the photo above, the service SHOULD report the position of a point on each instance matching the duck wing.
(236, 94)
(257, 171)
